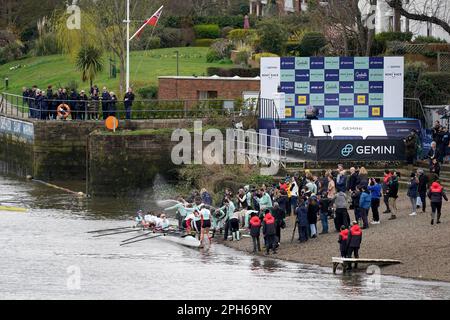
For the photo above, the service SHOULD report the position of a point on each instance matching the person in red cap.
(436, 193)
(255, 229)
(269, 232)
(354, 241)
(343, 238)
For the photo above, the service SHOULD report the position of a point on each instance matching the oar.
(159, 235)
(293, 231)
(110, 234)
(16, 209)
(95, 231)
(142, 235)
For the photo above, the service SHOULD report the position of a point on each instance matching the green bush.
(272, 36)
(396, 48)
(235, 21)
(212, 56)
(225, 31)
(150, 92)
(148, 43)
(293, 48)
(10, 52)
(207, 31)
(424, 39)
(203, 42)
(378, 47)
(311, 44)
(242, 57)
(171, 38)
(257, 57)
(241, 35)
(394, 36)
(413, 71)
(220, 50)
(46, 45)
(434, 88)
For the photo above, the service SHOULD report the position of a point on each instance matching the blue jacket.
(412, 188)
(341, 184)
(302, 216)
(375, 191)
(365, 200)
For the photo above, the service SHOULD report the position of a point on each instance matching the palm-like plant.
(89, 62)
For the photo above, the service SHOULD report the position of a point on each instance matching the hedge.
(207, 31)
(203, 42)
(394, 36)
(234, 21)
(434, 88)
(241, 72)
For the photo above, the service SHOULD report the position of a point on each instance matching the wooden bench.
(346, 262)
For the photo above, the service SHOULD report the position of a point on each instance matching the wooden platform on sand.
(346, 262)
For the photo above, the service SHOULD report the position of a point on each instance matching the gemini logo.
(347, 150)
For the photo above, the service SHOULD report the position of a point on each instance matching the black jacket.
(313, 209)
(354, 237)
(128, 99)
(423, 184)
(353, 181)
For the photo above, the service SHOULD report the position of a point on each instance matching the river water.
(47, 254)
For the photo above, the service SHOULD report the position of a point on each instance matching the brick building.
(198, 88)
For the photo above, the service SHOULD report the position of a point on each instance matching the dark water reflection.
(39, 248)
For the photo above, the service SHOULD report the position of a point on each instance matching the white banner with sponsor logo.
(393, 87)
(358, 128)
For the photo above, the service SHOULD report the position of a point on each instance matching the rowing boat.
(188, 241)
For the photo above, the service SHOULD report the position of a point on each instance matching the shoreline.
(422, 247)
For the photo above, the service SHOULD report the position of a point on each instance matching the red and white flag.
(153, 21)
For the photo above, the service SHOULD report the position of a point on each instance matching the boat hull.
(188, 241)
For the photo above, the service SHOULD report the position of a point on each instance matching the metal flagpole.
(128, 47)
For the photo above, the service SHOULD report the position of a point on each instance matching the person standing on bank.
(113, 105)
(106, 97)
(302, 220)
(313, 212)
(433, 153)
(269, 232)
(422, 188)
(412, 193)
(82, 106)
(365, 201)
(385, 187)
(375, 192)
(128, 103)
(341, 214)
(436, 193)
(73, 104)
(255, 231)
(354, 241)
(392, 193)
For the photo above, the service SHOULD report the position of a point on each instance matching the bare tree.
(348, 20)
(433, 11)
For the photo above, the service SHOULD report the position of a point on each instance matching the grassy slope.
(145, 69)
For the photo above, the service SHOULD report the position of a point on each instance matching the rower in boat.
(181, 211)
(139, 218)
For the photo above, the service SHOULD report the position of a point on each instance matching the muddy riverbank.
(423, 248)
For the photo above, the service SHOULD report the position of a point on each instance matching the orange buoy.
(63, 110)
(111, 123)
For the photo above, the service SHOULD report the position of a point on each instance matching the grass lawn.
(146, 66)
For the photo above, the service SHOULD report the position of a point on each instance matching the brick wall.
(187, 88)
